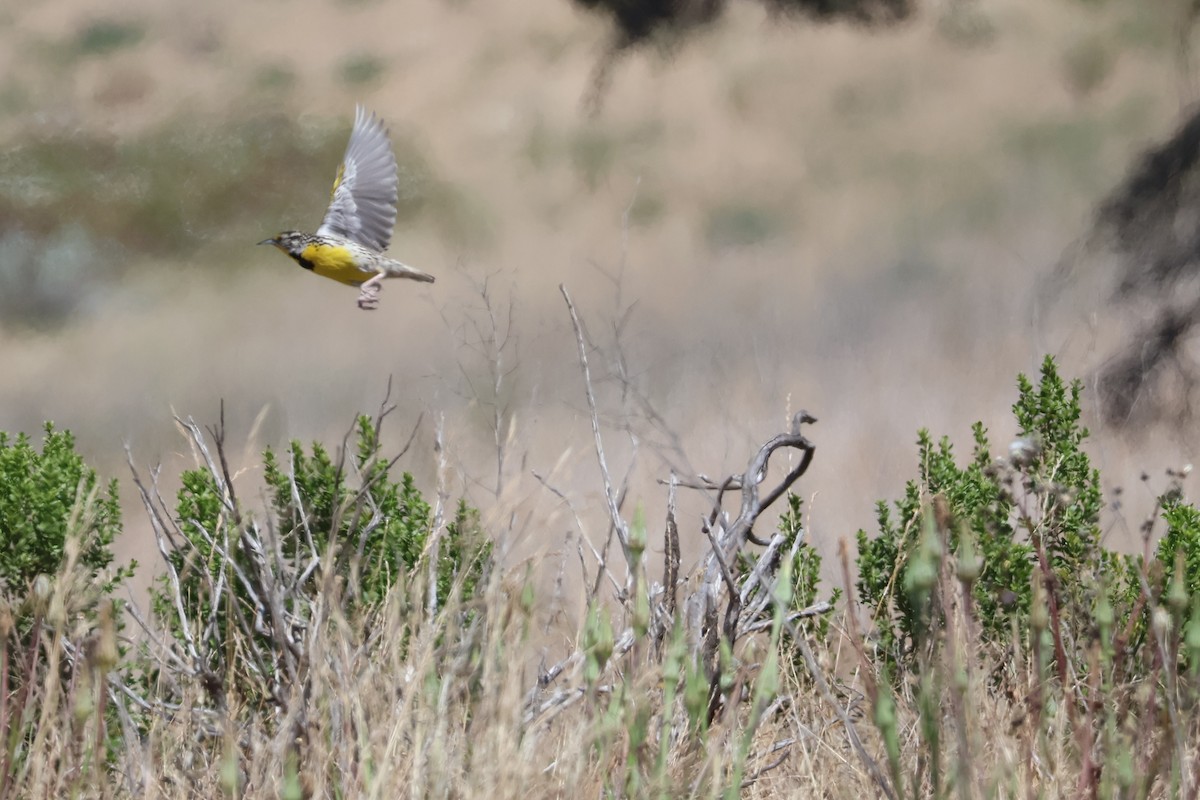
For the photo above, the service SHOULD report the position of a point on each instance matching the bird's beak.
(269, 241)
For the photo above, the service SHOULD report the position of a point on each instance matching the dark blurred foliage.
(863, 12)
(1153, 217)
(1151, 222)
(634, 21)
(638, 22)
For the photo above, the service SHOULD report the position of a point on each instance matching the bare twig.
(489, 333)
(732, 537)
(670, 560)
(610, 495)
(439, 519)
(752, 779)
(602, 569)
(792, 617)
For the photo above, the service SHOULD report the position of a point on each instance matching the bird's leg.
(368, 296)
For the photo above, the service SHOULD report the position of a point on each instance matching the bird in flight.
(349, 245)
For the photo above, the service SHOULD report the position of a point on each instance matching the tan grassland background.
(852, 222)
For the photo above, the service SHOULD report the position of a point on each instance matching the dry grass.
(579, 671)
(501, 695)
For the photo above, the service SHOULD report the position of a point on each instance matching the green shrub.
(344, 532)
(44, 501)
(647, 209)
(1183, 537)
(360, 70)
(1087, 64)
(806, 566)
(57, 525)
(996, 519)
(388, 533)
(104, 36)
(733, 225)
(993, 578)
(593, 153)
(978, 501)
(1179, 554)
(272, 78)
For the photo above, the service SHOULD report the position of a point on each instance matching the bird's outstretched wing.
(363, 206)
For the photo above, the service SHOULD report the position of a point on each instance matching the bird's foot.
(368, 298)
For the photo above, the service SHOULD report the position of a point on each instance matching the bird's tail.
(395, 269)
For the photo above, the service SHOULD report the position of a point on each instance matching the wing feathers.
(363, 206)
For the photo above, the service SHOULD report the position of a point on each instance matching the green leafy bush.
(1183, 537)
(389, 548)
(806, 566)
(978, 501)
(993, 578)
(388, 532)
(57, 525)
(998, 519)
(44, 500)
(339, 533)
(1178, 552)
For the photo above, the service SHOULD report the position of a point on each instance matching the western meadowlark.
(349, 245)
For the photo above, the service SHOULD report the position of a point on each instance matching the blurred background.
(881, 223)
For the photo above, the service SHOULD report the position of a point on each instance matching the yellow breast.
(335, 262)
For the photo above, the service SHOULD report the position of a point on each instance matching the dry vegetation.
(285, 654)
(773, 214)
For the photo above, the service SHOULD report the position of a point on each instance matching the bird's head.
(290, 242)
